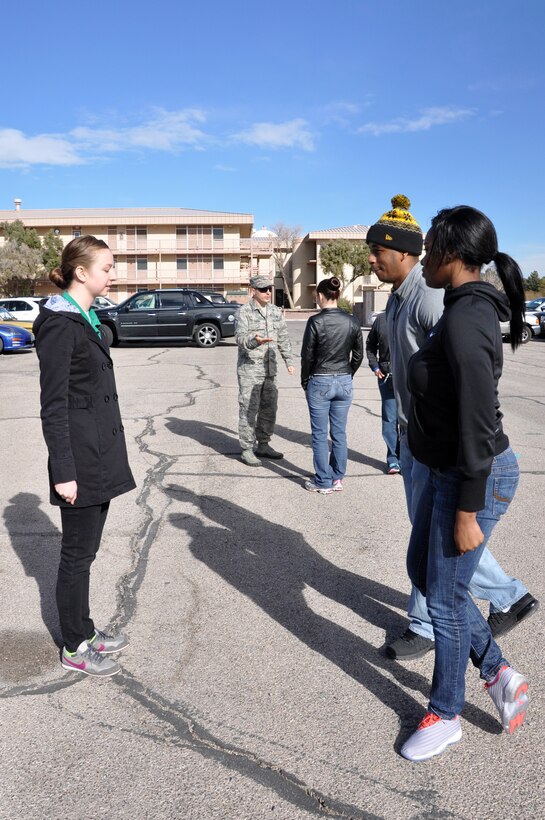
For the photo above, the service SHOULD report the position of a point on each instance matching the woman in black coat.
(83, 431)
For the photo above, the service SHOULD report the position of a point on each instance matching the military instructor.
(261, 331)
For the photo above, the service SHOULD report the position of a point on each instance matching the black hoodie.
(455, 418)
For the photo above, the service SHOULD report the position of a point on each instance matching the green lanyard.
(91, 317)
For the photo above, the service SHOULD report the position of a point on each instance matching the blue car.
(15, 338)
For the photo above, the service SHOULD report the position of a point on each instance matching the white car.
(103, 302)
(22, 308)
(530, 328)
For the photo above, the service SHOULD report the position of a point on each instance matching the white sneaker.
(508, 691)
(432, 737)
(338, 486)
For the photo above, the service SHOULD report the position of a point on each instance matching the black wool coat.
(80, 414)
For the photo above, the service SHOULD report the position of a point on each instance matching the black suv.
(167, 315)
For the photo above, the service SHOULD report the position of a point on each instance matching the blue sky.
(311, 113)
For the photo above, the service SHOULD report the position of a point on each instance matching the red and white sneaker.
(431, 738)
(508, 691)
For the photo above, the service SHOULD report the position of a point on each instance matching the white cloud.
(291, 134)
(164, 131)
(429, 118)
(18, 150)
(227, 169)
(167, 131)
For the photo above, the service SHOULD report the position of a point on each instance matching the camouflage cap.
(260, 281)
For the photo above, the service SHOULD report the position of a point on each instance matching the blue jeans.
(329, 399)
(444, 576)
(389, 421)
(489, 582)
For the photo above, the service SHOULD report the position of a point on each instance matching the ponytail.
(511, 279)
(56, 277)
(467, 234)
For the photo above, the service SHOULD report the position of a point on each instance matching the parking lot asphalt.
(256, 684)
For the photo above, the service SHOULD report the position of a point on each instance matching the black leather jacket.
(332, 345)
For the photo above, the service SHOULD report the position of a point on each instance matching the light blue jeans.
(444, 576)
(489, 581)
(389, 421)
(329, 399)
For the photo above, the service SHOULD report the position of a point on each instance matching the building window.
(141, 263)
(181, 263)
(217, 234)
(76, 233)
(217, 262)
(181, 232)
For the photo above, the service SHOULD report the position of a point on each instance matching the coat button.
(104, 365)
(121, 427)
(114, 431)
(106, 399)
(116, 397)
(110, 365)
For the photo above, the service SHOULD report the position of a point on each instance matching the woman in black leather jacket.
(332, 352)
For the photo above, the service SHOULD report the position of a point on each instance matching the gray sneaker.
(106, 644)
(87, 660)
(266, 451)
(250, 458)
(311, 487)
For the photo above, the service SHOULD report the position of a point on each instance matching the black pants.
(81, 533)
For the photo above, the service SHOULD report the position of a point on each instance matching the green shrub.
(345, 304)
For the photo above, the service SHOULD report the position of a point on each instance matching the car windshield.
(535, 304)
(5, 315)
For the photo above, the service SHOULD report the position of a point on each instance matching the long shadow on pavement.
(36, 542)
(225, 442)
(272, 565)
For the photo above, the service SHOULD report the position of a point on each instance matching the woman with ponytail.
(83, 432)
(331, 353)
(455, 428)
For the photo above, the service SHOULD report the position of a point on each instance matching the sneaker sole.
(112, 651)
(437, 751)
(513, 717)
(91, 674)
(319, 492)
(391, 653)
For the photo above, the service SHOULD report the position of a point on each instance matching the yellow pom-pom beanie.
(397, 228)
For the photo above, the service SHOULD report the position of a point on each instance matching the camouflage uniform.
(257, 368)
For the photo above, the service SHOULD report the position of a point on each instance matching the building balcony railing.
(202, 245)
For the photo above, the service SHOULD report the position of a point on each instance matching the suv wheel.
(526, 334)
(206, 335)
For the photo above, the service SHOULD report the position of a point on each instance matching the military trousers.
(258, 402)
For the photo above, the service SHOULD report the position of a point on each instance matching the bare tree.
(19, 267)
(284, 242)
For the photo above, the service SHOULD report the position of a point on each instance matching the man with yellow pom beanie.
(395, 244)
